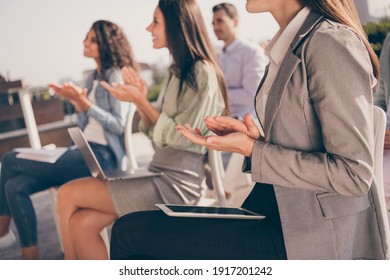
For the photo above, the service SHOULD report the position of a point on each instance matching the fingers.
(112, 90)
(187, 126)
(113, 87)
(226, 124)
(212, 123)
(106, 85)
(75, 87)
(191, 134)
(84, 92)
(227, 120)
(127, 76)
(197, 130)
(122, 92)
(131, 77)
(54, 86)
(144, 88)
(253, 130)
(248, 120)
(229, 142)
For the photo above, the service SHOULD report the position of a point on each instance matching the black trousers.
(154, 235)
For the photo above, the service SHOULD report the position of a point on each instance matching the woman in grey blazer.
(313, 161)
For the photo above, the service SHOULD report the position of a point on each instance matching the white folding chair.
(380, 129)
(379, 195)
(53, 192)
(129, 142)
(217, 173)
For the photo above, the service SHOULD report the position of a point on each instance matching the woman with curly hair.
(101, 116)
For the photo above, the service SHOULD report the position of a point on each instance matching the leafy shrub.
(376, 32)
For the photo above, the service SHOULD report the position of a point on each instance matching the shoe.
(7, 240)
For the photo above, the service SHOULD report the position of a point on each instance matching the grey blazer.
(319, 145)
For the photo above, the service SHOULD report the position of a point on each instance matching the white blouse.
(276, 51)
(94, 131)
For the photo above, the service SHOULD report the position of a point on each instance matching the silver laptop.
(94, 167)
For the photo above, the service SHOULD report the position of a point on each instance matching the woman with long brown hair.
(312, 161)
(193, 89)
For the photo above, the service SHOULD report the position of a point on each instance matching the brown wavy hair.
(114, 48)
(188, 41)
(344, 12)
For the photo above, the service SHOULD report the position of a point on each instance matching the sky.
(41, 41)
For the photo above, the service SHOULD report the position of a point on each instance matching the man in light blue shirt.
(242, 62)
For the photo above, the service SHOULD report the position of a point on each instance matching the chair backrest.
(217, 173)
(378, 192)
(379, 137)
(129, 142)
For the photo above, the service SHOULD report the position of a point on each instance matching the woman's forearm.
(144, 118)
(147, 112)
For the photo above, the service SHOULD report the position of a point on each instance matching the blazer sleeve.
(339, 79)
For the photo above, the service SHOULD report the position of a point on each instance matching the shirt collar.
(231, 47)
(279, 44)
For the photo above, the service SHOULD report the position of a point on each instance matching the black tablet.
(208, 212)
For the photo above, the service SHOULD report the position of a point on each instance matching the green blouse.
(189, 106)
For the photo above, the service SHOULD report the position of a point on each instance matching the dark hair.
(344, 11)
(229, 9)
(114, 48)
(188, 41)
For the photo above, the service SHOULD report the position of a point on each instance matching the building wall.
(363, 11)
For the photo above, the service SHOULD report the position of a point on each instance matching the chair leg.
(53, 201)
(106, 239)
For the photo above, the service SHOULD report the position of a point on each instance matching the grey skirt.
(180, 184)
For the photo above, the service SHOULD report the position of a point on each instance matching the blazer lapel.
(257, 92)
(289, 64)
(287, 68)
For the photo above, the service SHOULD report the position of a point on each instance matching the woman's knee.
(82, 223)
(16, 186)
(65, 196)
(79, 224)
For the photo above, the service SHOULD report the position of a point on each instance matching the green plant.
(376, 33)
(153, 92)
(158, 79)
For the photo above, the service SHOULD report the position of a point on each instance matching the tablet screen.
(208, 212)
